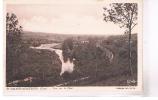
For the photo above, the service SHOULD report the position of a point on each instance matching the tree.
(13, 32)
(67, 48)
(124, 14)
(13, 45)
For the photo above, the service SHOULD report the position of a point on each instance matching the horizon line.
(75, 33)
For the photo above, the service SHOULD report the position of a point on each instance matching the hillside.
(90, 61)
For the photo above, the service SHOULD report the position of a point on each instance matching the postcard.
(73, 47)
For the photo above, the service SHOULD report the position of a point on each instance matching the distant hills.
(41, 35)
(57, 36)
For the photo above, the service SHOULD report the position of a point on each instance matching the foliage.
(41, 64)
(89, 59)
(67, 48)
(124, 14)
(14, 45)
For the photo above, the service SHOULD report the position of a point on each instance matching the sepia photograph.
(73, 43)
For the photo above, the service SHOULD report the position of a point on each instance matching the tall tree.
(124, 14)
(13, 45)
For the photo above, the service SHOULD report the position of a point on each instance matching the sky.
(65, 18)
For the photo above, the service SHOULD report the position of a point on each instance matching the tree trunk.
(130, 56)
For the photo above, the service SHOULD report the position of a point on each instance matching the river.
(66, 66)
